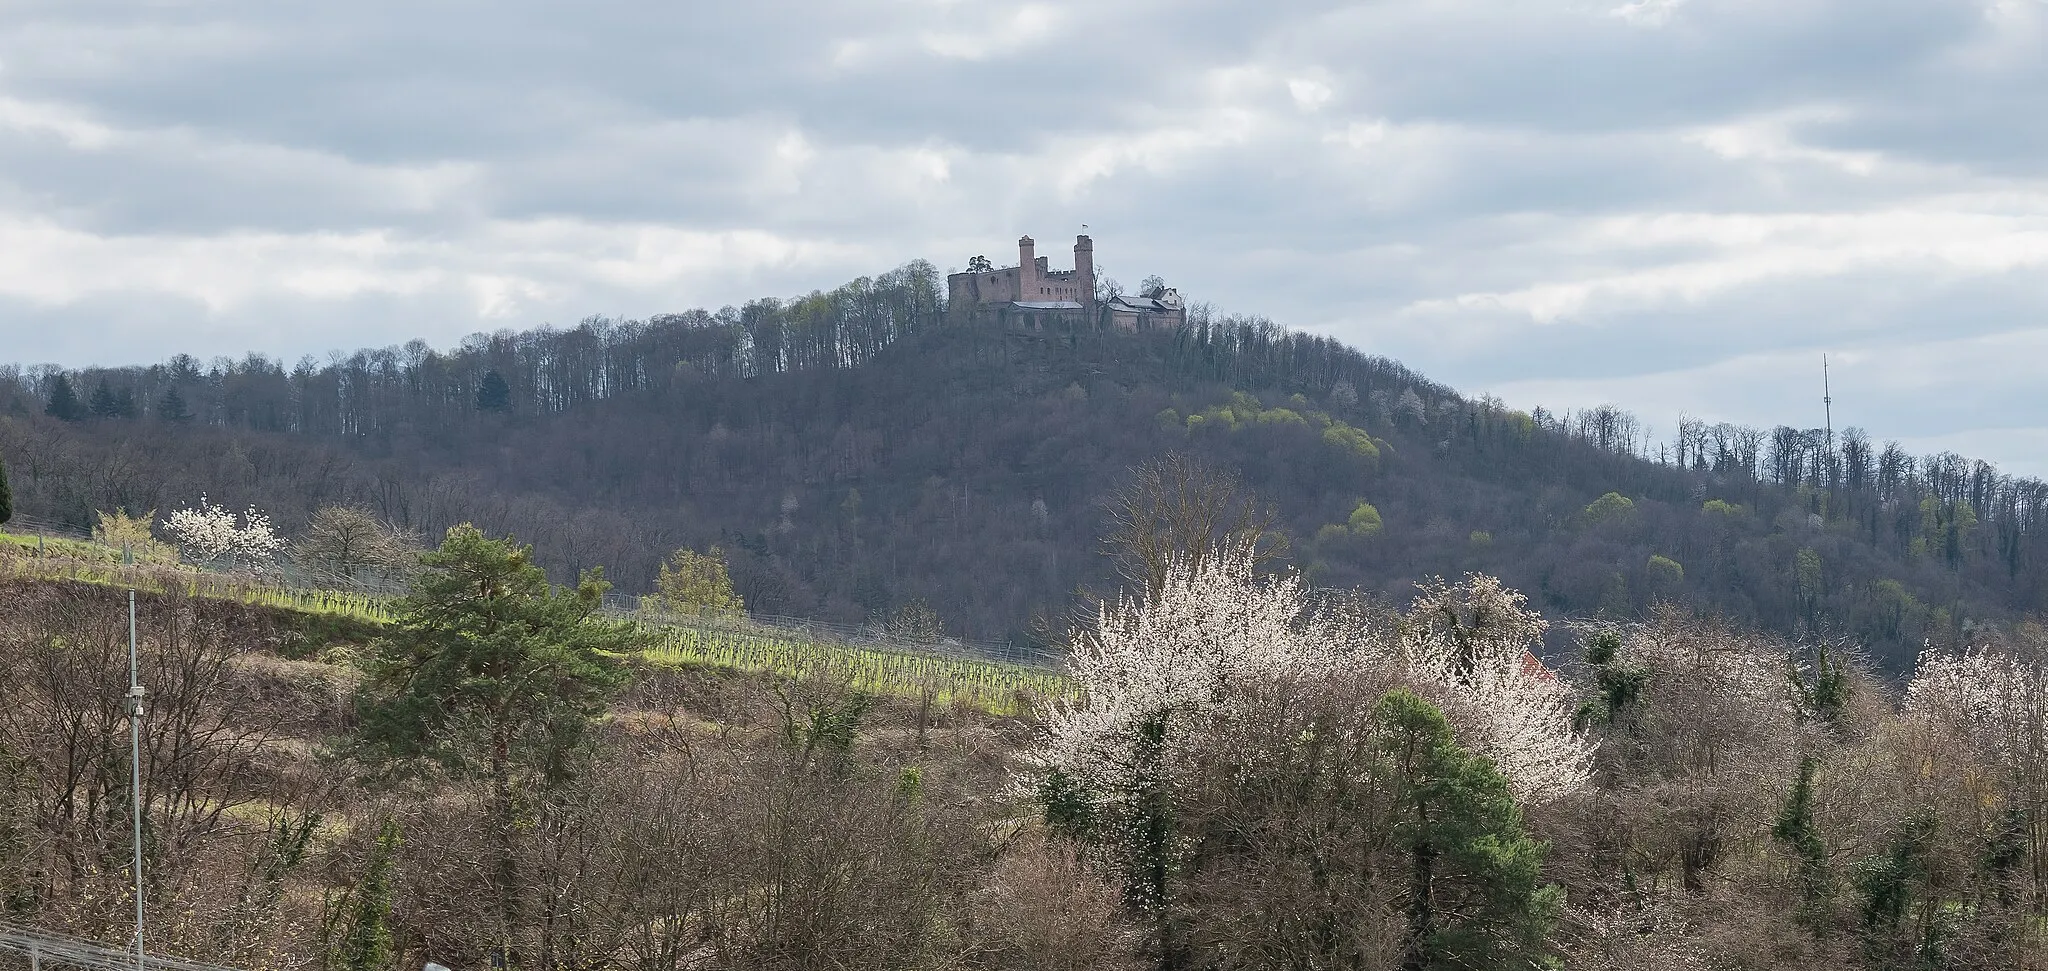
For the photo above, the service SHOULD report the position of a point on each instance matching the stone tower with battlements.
(1031, 281)
(1032, 293)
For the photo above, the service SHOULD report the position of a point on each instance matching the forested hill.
(851, 451)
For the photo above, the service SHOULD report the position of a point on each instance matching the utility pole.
(135, 713)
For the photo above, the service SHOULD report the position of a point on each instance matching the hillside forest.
(855, 451)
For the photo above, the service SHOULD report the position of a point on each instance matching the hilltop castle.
(1032, 292)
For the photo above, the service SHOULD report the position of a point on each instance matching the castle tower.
(1027, 269)
(1084, 270)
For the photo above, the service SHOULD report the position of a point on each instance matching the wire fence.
(38, 950)
(288, 583)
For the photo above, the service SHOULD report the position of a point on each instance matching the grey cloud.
(1571, 66)
(1539, 198)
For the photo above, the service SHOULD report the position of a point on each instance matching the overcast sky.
(1673, 205)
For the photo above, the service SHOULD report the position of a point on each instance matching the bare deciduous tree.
(1178, 507)
(353, 544)
(64, 750)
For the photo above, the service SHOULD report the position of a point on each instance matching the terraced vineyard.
(998, 687)
(942, 674)
(108, 571)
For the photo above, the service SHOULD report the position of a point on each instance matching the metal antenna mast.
(1827, 402)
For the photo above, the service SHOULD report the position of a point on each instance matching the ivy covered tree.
(491, 671)
(1798, 833)
(1160, 671)
(364, 943)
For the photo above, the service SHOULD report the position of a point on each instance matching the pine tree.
(64, 404)
(1474, 897)
(171, 407)
(492, 393)
(491, 670)
(103, 403)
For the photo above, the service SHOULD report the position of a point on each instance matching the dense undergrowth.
(1748, 803)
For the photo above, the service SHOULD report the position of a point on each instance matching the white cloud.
(508, 267)
(76, 131)
(1770, 139)
(1647, 13)
(1003, 29)
(1310, 94)
(1966, 235)
(1736, 185)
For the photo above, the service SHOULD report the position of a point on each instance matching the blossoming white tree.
(1221, 681)
(1166, 668)
(211, 533)
(1983, 713)
(1999, 701)
(1161, 669)
(1470, 649)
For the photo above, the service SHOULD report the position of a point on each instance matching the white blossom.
(1505, 709)
(1471, 651)
(1175, 659)
(1996, 702)
(1176, 664)
(211, 533)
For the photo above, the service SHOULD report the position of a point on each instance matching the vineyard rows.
(987, 677)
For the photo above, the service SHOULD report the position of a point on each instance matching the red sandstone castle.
(1032, 292)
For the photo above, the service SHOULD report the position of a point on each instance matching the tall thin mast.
(1827, 402)
(135, 761)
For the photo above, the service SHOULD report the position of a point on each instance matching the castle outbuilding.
(1033, 289)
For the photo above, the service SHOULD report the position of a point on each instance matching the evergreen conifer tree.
(171, 407)
(103, 403)
(64, 404)
(492, 393)
(490, 670)
(6, 495)
(1475, 898)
